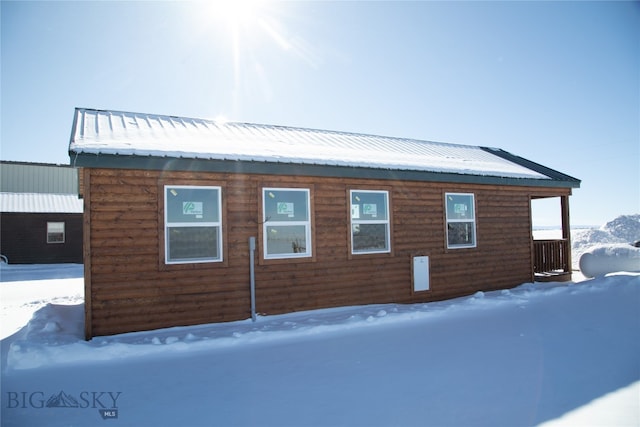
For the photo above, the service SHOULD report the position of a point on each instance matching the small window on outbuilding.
(461, 220)
(370, 229)
(55, 232)
(193, 224)
(286, 229)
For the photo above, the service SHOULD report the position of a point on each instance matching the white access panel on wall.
(420, 273)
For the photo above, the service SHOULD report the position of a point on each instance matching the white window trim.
(473, 220)
(368, 221)
(168, 224)
(269, 222)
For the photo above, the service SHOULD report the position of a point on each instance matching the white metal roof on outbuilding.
(40, 203)
(102, 132)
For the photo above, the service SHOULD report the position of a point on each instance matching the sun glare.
(251, 29)
(235, 13)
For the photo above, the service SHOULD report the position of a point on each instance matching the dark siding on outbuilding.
(23, 238)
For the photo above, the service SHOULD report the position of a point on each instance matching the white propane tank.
(602, 260)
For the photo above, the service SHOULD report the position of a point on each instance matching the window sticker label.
(355, 211)
(370, 209)
(192, 208)
(285, 208)
(460, 208)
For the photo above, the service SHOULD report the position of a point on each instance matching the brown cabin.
(190, 221)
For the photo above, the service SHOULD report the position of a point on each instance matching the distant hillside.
(625, 227)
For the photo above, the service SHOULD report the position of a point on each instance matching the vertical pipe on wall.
(252, 250)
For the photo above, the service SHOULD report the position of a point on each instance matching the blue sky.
(555, 82)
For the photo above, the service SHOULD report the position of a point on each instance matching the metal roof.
(116, 134)
(40, 203)
(23, 177)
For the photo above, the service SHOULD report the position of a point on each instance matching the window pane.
(460, 206)
(55, 232)
(369, 237)
(286, 205)
(460, 234)
(286, 239)
(55, 238)
(369, 205)
(192, 204)
(55, 227)
(192, 243)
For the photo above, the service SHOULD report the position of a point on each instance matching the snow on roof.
(136, 134)
(40, 203)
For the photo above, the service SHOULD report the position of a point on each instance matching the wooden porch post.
(566, 230)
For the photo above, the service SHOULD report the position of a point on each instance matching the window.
(286, 228)
(369, 222)
(461, 220)
(193, 224)
(55, 232)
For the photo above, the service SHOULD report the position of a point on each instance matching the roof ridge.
(279, 127)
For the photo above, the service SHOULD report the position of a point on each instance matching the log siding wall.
(129, 288)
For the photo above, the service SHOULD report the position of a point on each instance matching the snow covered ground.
(552, 354)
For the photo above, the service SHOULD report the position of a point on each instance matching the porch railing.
(551, 256)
